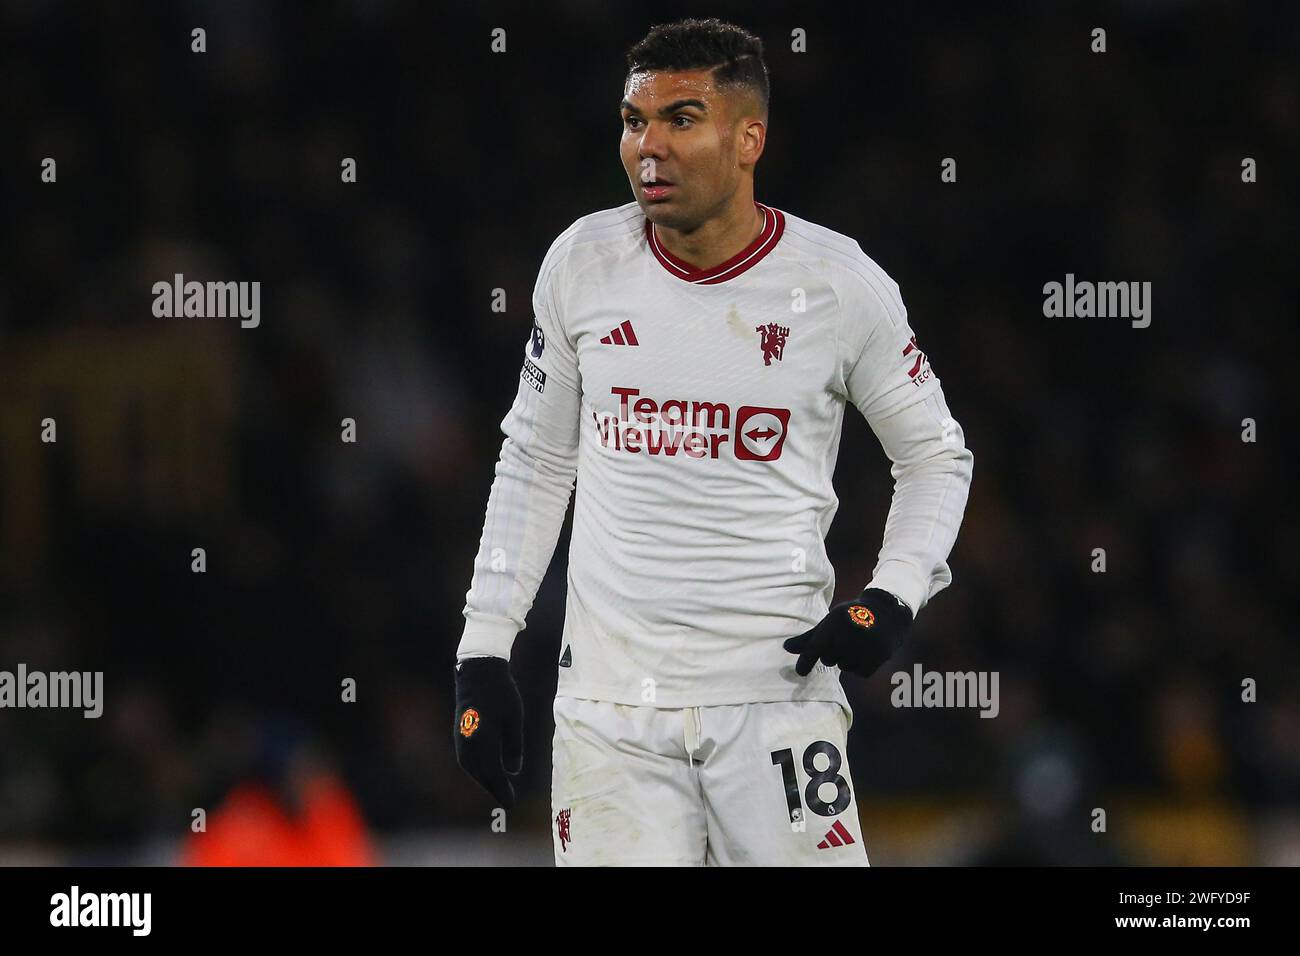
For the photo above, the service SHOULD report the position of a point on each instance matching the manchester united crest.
(773, 341)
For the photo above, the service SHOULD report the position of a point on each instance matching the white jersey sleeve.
(535, 476)
(888, 378)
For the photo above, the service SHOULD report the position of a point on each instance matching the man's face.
(680, 131)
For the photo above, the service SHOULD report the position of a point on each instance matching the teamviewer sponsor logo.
(760, 432)
(695, 429)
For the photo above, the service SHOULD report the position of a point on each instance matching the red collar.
(773, 226)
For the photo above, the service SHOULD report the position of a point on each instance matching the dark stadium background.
(329, 560)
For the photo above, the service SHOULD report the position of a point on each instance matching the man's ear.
(752, 130)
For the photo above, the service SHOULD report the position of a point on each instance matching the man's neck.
(717, 240)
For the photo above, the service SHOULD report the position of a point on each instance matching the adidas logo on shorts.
(838, 835)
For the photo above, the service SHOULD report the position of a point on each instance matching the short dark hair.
(735, 55)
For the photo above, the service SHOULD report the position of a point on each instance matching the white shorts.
(733, 785)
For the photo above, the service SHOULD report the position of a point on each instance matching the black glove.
(489, 725)
(858, 635)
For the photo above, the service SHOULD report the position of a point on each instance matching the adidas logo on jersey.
(623, 335)
(838, 835)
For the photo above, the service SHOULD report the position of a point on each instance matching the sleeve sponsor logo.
(920, 370)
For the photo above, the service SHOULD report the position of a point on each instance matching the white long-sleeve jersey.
(699, 412)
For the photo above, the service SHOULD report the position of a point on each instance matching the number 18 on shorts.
(760, 784)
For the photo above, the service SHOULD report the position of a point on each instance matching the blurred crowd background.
(327, 561)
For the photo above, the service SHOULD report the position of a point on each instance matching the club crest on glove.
(468, 722)
(861, 616)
